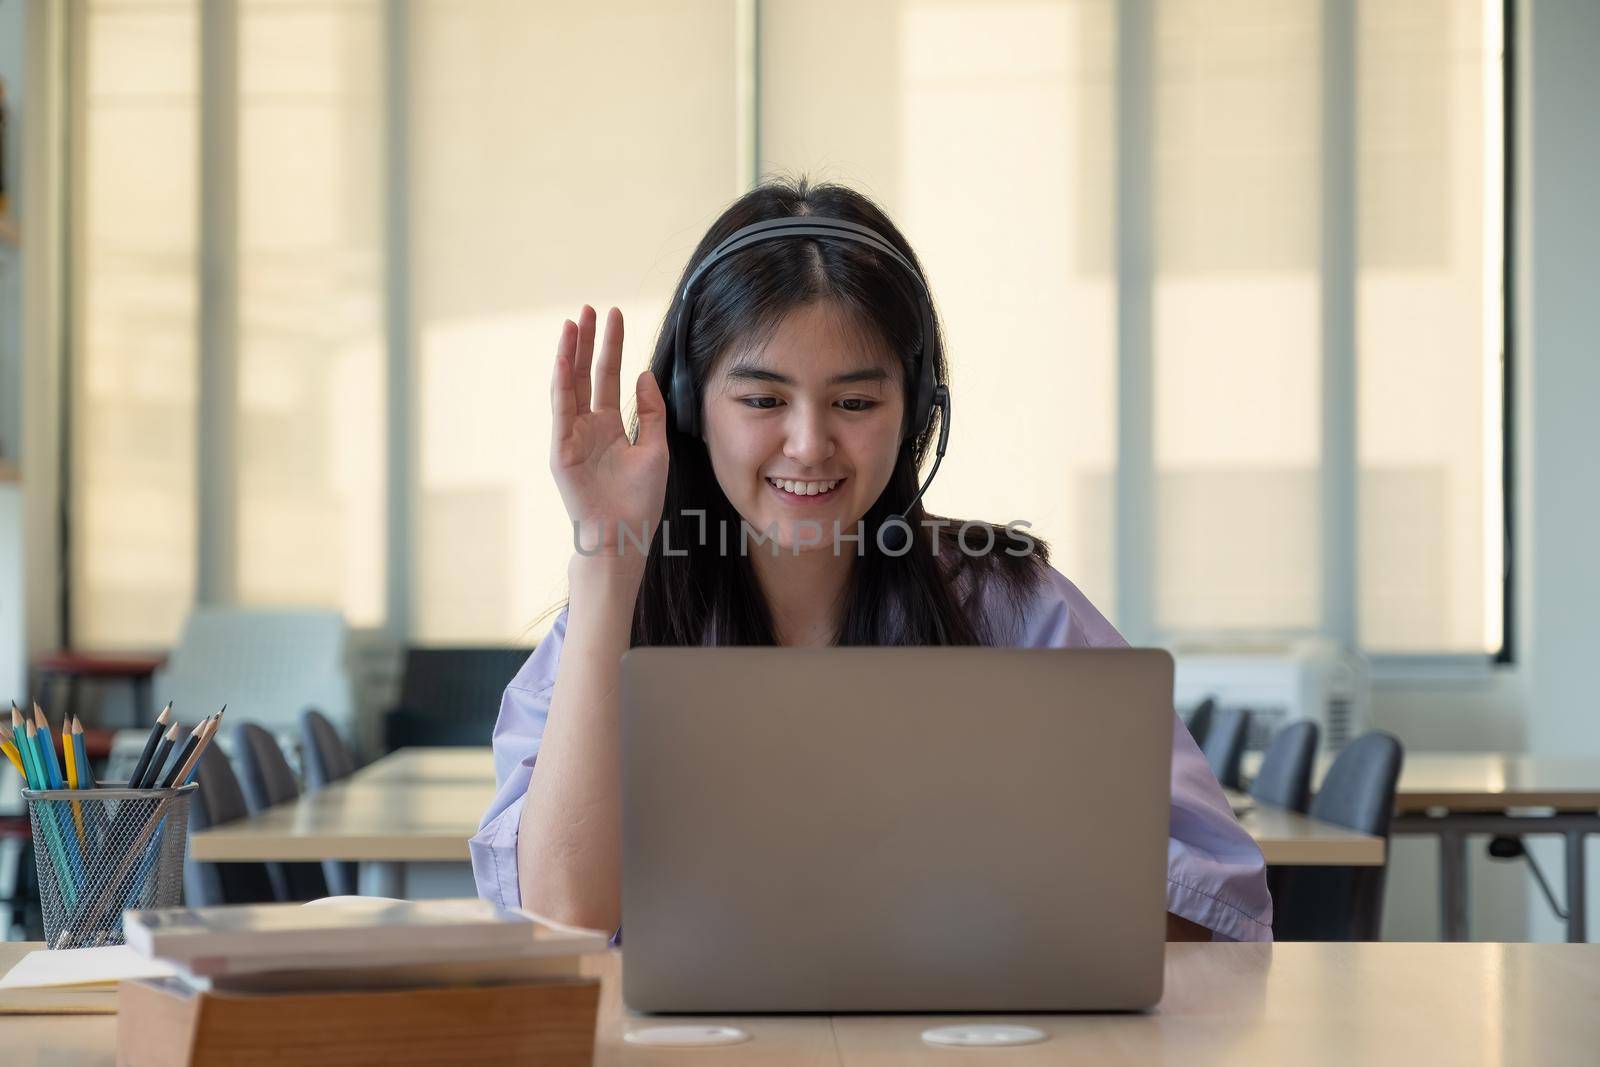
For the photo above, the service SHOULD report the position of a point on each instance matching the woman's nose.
(810, 439)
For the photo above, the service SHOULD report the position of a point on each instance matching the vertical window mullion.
(747, 92)
(402, 411)
(75, 101)
(218, 321)
(1339, 469)
(1135, 537)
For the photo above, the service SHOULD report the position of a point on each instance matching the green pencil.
(46, 819)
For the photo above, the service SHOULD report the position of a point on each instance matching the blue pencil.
(51, 764)
(35, 775)
(28, 753)
(51, 768)
(81, 755)
(68, 871)
(19, 737)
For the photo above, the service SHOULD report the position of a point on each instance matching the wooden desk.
(421, 805)
(1290, 839)
(51, 1039)
(1376, 1004)
(450, 766)
(1483, 781)
(387, 822)
(1496, 781)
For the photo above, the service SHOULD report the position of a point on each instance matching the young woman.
(800, 409)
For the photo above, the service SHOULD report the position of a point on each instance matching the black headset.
(930, 393)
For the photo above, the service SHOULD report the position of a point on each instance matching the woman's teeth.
(803, 488)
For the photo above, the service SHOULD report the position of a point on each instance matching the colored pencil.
(152, 773)
(186, 775)
(81, 754)
(182, 758)
(9, 747)
(42, 723)
(30, 773)
(150, 744)
(19, 737)
(95, 816)
(41, 767)
(70, 758)
(48, 817)
(66, 749)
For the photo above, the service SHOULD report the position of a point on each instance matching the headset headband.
(684, 404)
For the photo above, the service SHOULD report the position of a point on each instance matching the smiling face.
(806, 427)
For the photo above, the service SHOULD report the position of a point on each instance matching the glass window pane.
(562, 153)
(1236, 306)
(985, 130)
(311, 402)
(134, 372)
(1429, 162)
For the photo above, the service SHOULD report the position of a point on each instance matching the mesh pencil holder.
(100, 851)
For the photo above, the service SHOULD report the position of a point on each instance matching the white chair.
(266, 665)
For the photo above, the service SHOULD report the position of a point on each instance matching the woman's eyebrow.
(756, 374)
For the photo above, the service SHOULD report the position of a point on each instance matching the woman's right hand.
(606, 481)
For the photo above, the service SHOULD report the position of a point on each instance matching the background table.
(1290, 839)
(1452, 794)
(422, 804)
(72, 667)
(1375, 1004)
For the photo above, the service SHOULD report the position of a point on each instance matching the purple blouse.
(1215, 874)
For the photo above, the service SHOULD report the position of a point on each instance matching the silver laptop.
(894, 829)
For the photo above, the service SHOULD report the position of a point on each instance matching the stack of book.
(360, 978)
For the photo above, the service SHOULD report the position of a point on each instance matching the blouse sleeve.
(1215, 872)
(517, 733)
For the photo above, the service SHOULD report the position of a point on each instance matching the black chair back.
(219, 800)
(1344, 903)
(269, 781)
(1199, 720)
(1284, 779)
(327, 759)
(325, 755)
(1224, 744)
(450, 696)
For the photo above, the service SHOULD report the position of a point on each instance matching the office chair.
(1345, 903)
(1284, 780)
(267, 782)
(327, 759)
(1199, 720)
(1224, 744)
(219, 800)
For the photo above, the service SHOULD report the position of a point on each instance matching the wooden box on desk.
(550, 1021)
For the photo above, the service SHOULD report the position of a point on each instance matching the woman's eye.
(763, 403)
(856, 403)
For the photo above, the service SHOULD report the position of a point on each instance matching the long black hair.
(709, 594)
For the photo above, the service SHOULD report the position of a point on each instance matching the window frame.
(1134, 237)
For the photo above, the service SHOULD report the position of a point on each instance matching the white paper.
(82, 966)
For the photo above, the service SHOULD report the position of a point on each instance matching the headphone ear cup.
(922, 416)
(683, 405)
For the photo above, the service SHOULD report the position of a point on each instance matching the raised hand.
(606, 481)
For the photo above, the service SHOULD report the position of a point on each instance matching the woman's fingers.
(608, 367)
(585, 355)
(652, 409)
(563, 391)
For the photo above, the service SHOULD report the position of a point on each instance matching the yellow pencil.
(9, 747)
(66, 748)
(72, 775)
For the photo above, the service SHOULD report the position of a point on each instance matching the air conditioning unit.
(1278, 681)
